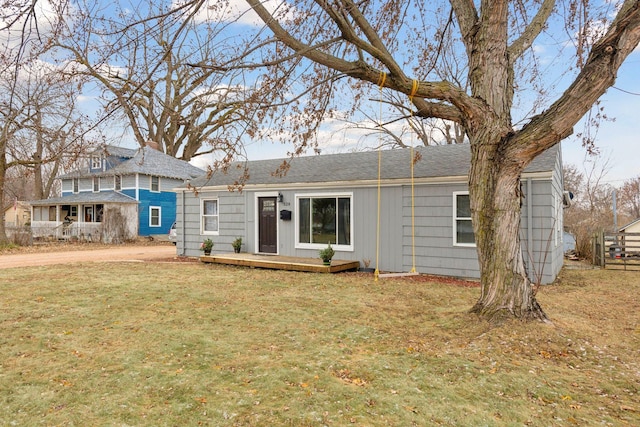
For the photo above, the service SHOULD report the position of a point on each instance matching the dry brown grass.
(184, 344)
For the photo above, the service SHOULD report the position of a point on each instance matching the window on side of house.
(155, 184)
(96, 162)
(462, 226)
(76, 185)
(210, 218)
(558, 220)
(117, 182)
(323, 219)
(155, 218)
(96, 184)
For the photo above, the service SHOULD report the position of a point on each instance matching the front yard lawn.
(192, 344)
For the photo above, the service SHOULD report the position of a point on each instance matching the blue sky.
(616, 139)
(619, 140)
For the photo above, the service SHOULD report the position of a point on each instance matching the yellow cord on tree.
(414, 90)
(381, 80)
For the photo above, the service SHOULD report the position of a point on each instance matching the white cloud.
(34, 26)
(237, 11)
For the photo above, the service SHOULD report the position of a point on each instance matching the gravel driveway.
(114, 253)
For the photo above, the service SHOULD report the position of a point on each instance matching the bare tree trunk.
(3, 170)
(494, 192)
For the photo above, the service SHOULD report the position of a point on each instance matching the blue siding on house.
(131, 192)
(166, 201)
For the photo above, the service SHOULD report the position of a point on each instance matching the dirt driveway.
(102, 254)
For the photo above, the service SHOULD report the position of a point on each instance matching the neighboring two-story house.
(120, 194)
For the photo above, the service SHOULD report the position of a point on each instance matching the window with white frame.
(209, 221)
(96, 184)
(76, 185)
(558, 220)
(462, 226)
(323, 219)
(155, 183)
(155, 218)
(117, 182)
(96, 162)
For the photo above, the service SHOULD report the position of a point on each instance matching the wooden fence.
(617, 250)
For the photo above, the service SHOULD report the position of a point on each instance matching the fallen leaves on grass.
(348, 377)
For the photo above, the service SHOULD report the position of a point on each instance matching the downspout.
(182, 225)
(530, 226)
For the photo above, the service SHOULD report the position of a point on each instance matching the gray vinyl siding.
(85, 184)
(106, 183)
(435, 252)
(230, 226)
(365, 205)
(128, 181)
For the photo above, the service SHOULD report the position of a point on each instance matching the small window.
(462, 226)
(154, 216)
(209, 216)
(117, 182)
(76, 185)
(96, 162)
(96, 184)
(155, 183)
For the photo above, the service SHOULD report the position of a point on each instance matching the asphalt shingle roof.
(435, 161)
(87, 197)
(147, 161)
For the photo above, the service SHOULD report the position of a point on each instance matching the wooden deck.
(277, 262)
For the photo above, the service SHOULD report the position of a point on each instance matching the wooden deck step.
(277, 262)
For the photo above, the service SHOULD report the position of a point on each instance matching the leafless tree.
(43, 130)
(630, 198)
(396, 45)
(591, 207)
(143, 60)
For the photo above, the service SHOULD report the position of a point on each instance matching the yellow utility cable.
(414, 89)
(381, 80)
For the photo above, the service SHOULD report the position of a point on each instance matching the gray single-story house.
(334, 198)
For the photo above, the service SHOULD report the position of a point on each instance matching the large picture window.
(324, 219)
(209, 216)
(462, 226)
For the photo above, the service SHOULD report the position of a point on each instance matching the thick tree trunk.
(494, 192)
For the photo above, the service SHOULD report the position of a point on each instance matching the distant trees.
(41, 129)
(142, 61)
(591, 208)
(629, 198)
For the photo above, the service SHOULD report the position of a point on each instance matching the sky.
(617, 138)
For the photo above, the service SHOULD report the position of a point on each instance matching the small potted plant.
(206, 246)
(326, 254)
(237, 245)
